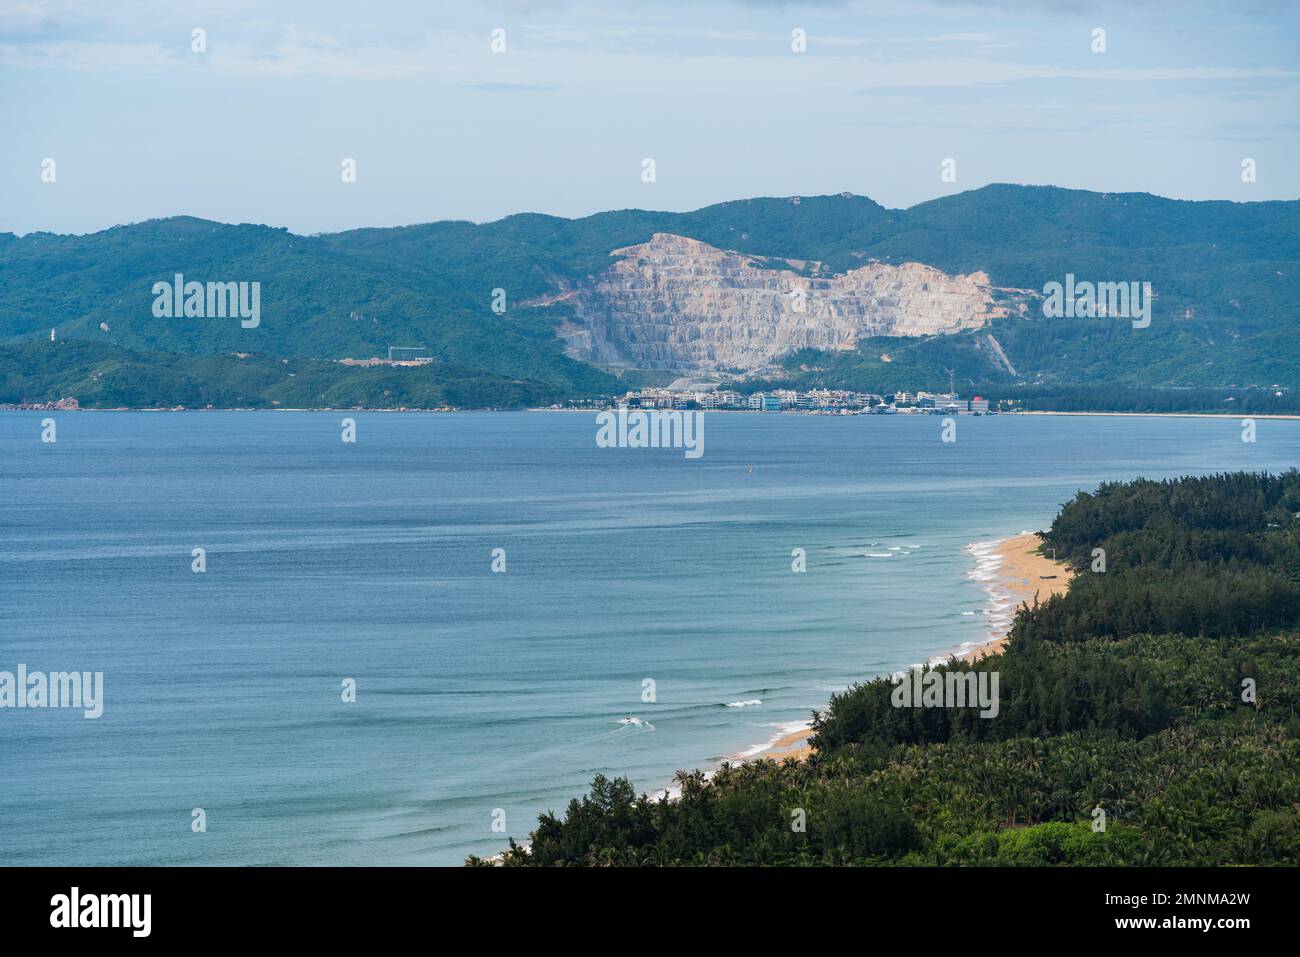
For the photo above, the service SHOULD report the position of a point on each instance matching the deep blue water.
(476, 690)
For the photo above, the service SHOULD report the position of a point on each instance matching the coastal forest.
(1150, 715)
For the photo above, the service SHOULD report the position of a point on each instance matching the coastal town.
(816, 401)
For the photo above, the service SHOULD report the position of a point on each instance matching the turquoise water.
(479, 691)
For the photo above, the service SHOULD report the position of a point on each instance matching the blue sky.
(255, 129)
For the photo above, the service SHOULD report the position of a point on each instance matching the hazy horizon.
(256, 125)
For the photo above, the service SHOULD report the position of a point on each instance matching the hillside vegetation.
(1226, 275)
(104, 376)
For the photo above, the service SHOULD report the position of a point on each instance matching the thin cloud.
(962, 38)
(511, 88)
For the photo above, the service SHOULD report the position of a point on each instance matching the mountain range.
(831, 291)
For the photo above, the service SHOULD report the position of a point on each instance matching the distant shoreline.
(1168, 415)
(444, 411)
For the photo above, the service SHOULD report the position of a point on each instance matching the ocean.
(647, 618)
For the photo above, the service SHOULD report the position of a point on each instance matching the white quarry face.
(677, 303)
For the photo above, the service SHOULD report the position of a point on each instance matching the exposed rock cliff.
(677, 303)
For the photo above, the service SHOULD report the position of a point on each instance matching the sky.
(257, 125)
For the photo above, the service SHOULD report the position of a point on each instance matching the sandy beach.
(792, 745)
(1021, 575)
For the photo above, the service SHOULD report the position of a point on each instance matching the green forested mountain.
(1163, 689)
(105, 376)
(316, 302)
(1227, 277)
